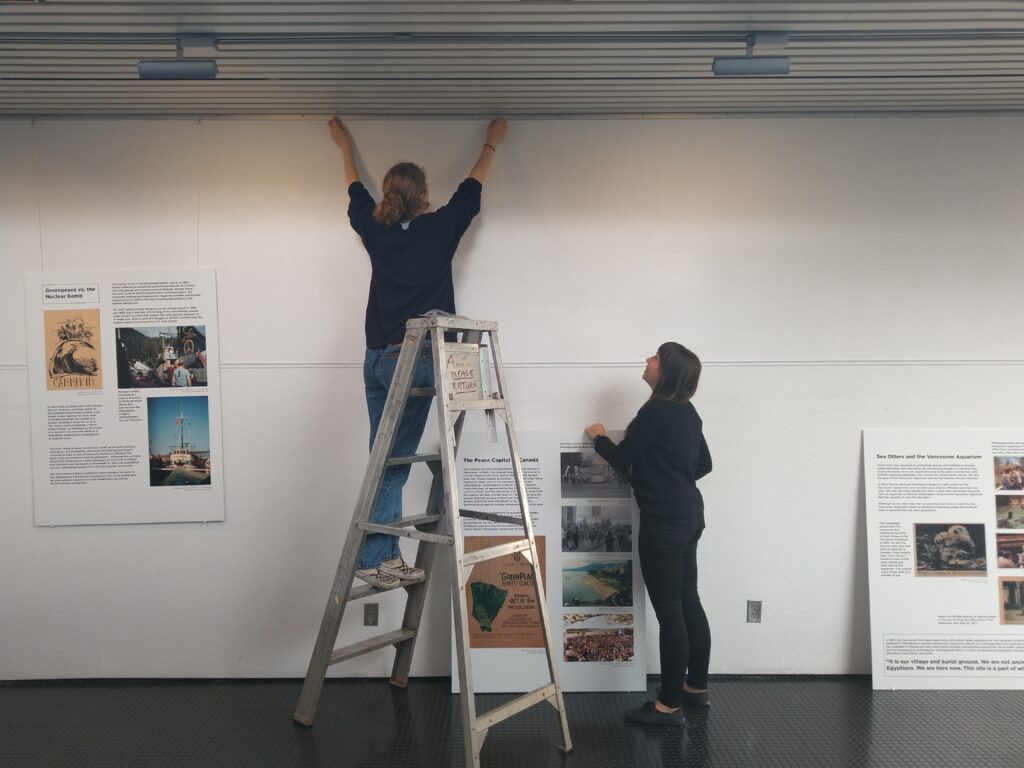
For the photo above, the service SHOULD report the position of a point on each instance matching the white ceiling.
(514, 57)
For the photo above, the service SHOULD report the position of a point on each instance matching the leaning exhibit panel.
(945, 533)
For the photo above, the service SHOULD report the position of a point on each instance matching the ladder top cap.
(451, 323)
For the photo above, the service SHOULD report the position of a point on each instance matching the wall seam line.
(39, 204)
(198, 171)
(525, 365)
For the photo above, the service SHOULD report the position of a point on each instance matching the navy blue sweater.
(412, 267)
(665, 451)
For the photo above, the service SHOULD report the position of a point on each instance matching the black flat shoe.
(648, 715)
(696, 699)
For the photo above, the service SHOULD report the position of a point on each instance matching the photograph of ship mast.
(179, 440)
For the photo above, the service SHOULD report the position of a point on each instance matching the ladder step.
(490, 516)
(421, 392)
(381, 641)
(450, 323)
(401, 530)
(514, 707)
(496, 404)
(480, 555)
(414, 458)
(415, 520)
(368, 590)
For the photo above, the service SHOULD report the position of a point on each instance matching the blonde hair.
(404, 194)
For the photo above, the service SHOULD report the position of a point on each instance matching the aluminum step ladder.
(461, 375)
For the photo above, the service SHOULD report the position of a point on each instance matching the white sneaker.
(377, 577)
(401, 570)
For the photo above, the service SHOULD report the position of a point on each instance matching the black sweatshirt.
(666, 451)
(412, 267)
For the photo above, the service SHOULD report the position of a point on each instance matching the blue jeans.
(378, 370)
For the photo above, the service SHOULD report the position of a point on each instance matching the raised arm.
(495, 135)
(341, 137)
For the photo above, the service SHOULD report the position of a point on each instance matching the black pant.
(668, 560)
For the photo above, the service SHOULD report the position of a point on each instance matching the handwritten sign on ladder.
(462, 363)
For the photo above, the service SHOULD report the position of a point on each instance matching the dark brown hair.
(404, 194)
(680, 372)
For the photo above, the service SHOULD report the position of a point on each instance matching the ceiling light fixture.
(181, 68)
(751, 65)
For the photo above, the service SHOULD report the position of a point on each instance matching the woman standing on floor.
(411, 252)
(665, 450)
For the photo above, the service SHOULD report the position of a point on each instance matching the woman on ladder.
(411, 251)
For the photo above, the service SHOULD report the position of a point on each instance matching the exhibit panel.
(124, 372)
(946, 559)
(586, 523)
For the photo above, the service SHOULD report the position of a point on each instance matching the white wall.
(834, 274)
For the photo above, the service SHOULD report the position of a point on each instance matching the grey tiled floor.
(787, 722)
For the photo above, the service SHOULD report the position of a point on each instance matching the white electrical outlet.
(753, 611)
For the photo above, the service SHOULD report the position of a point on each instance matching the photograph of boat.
(179, 441)
(150, 357)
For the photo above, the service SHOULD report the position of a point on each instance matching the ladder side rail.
(426, 555)
(417, 593)
(338, 599)
(446, 433)
(517, 469)
(539, 590)
(370, 489)
(517, 466)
